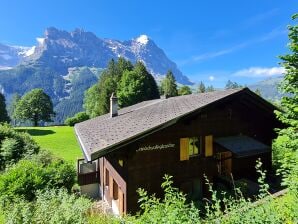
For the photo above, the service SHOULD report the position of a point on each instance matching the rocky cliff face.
(61, 50)
(65, 64)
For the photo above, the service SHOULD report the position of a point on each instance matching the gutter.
(87, 157)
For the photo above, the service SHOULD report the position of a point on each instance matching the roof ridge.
(149, 104)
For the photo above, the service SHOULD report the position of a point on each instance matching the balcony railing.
(88, 173)
(88, 178)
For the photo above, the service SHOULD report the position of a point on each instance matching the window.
(120, 161)
(111, 185)
(115, 190)
(194, 146)
(189, 147)
(107, 178)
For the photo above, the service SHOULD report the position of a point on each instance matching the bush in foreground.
(50, 206)
(39, 172)
(14, 146)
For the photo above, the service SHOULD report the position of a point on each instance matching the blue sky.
(210, 40)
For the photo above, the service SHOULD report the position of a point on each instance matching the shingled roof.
(101, 135)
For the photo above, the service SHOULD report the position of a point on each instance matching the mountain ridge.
(60, 55)
(62, 49)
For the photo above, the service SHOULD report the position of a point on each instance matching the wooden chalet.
(213, 134)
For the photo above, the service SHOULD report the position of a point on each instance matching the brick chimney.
(113, 105)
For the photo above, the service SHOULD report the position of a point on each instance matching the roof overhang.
(242, 146)
(86, 155)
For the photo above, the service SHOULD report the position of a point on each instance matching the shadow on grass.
(37, 132)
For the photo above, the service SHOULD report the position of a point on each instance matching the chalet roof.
(242, 146)
(100, 135)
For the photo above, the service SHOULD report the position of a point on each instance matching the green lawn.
(60, 140)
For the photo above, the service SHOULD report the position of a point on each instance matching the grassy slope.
(60, 140)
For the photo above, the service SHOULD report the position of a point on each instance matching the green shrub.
(107, 219)
(77, 118)
(50, 206)
(29, 175)
(14, 146)
(172, 209)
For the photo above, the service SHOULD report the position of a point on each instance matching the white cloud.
(218, 53)
(211, 77)
(210, 55)
(260, 72)
(258, 18)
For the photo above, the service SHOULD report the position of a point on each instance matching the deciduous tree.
(184, 90)
(133, 84)
(286, 145)
(35, 106)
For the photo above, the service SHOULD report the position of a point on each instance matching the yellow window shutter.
(209, 145)
(184, 153)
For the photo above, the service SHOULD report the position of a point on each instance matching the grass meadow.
(60, 140)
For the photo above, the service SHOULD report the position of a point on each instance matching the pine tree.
(168, 85)
(123, 65)
(3, 112)
(201, 88)
(210, 88)
(12, 107)
(150, 86)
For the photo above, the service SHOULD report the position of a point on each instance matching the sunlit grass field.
(60, 140)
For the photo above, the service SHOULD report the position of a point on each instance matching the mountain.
(10, 56)
(65, 64)
(63, 49)
(268, 88)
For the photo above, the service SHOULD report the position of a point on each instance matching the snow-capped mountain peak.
(143, 39)
(11, 56)
(40, 40)
(61, 49)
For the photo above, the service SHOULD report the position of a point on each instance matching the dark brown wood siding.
(145, 169)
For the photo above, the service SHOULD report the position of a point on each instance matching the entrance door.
(197, 189)
(225, 163)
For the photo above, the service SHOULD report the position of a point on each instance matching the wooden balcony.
(88, 173)
(88, 178)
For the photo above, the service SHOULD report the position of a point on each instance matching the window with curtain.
(189, 147)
